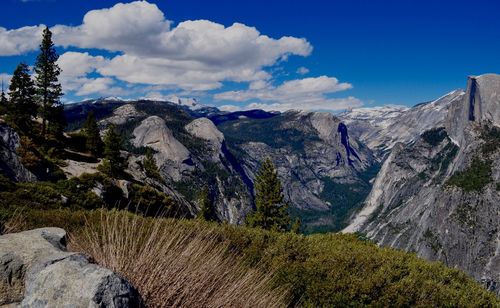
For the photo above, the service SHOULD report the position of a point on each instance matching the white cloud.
(195, 55)
(299, 94)
(19, 41)
(292, 89)
(133, 28)
(5, 78)
(302, 70)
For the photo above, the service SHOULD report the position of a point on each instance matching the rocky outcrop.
(205, 129)
(10, 164)
(37, 271)
(171, 155)
(417, 203)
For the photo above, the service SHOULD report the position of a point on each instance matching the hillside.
(319, 270)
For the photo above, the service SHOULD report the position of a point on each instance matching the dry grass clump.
(176, 265)
(15, 223)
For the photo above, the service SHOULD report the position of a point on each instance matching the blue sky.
(325, 55)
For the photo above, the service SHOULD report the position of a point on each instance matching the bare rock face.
(171, 154)
(480, 104)
(122, 115)
(380, 128)
(10, 164)
(205, 129)
(37, 271)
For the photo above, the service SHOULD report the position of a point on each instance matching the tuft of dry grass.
(15, 224)
(175, 265)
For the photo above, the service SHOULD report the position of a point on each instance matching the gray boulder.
(10, 164)
(37, 271)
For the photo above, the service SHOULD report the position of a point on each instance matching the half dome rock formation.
(37, 271)
(481, 104)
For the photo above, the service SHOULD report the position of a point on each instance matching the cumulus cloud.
(19, 41)
(299, 94)
(195, 55)
(302, 70)
(149, 54)
(292, 89)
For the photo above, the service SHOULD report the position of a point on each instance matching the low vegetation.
(474, 178)
(323, 270)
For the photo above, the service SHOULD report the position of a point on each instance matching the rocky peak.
(481, 103)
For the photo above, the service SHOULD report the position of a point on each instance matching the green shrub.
(474, 178)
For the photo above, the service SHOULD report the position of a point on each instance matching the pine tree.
(90, 130)
(272, 210)
(3, 102)
(49, 89)
(207, 211)
(21, 107)
(113, 163)
(149, 165)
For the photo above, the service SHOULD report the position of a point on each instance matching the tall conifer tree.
(272, 210)
(49, 89)
(93, 142)
(21, 107)
(113, 163)
(3, 101)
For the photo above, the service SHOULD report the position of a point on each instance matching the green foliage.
(491, 137)
(150, 167)
(296, 226)
(435, 136)
(207, 210)
(148, 201)
(474, 178)
(113, 163)
(21, 107)
(272, 210)
(49, 89)
(3, 102)
(325, 270)
(38, 162)
(90, 130)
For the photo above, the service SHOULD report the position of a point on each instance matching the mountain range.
(425, 179)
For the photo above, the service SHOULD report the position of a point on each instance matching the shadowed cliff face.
(440, 196)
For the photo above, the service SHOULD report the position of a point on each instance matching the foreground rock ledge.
(37, 271)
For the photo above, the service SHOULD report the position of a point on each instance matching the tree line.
(38, 96)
